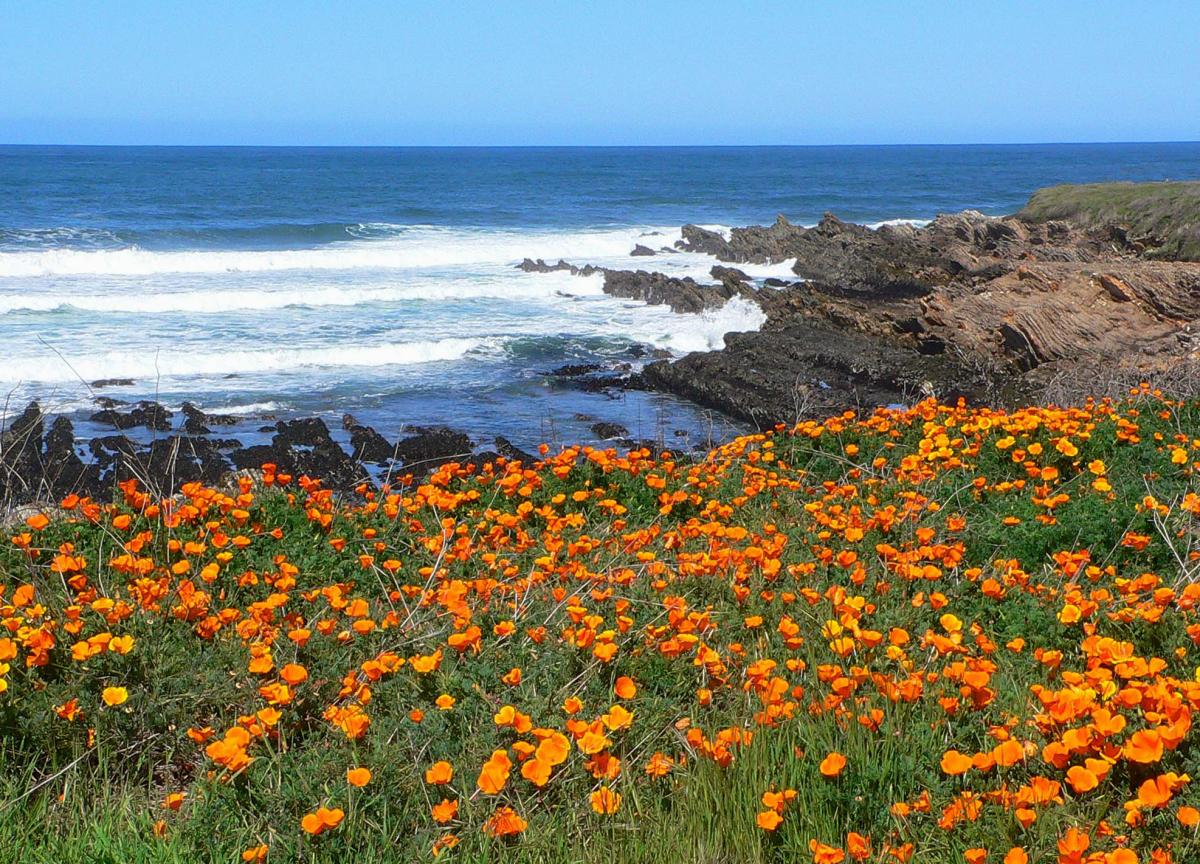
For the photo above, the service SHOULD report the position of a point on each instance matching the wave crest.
(149, 365)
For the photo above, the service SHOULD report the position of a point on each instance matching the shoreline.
(994, 310)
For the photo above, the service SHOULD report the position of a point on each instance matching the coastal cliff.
(990, 309)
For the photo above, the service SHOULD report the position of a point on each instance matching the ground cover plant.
(940, 634)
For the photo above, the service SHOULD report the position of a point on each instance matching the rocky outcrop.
(811, 367)
(367, 445)
(1157, 220)
(681, 295)
(148, 414)
(196, 422)
(969, 305)
(609, 431)
(428, 449)
(655, 289)
(539, 266)
(45, 464)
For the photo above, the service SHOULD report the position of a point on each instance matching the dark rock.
(304, 432)
(193, 420)
(196, 422)
(24, 434)
(513, 453)
(697, 239)
(540, 266)
(430, 448)
(149, 414)
(682, 295)
(115, 419)
(724, 274)
(112, 382)
(152, 416)
(753, 245)
(809, 368)
(595, 380)
(172, 461)
(254, 457)
(484, 457)
(573, 370)
(103, 446)
(21, 455)
(734, 280)
(63, 470)
(607, 431)
(305, 447)
(642, 251)
(368, 445)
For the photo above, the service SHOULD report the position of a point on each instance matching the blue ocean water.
(381, 281)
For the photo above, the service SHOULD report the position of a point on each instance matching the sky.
(575, 72)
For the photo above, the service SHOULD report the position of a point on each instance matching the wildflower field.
(940, 634)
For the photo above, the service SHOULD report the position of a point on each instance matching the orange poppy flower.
(625, 688)
(592, 742)
(822, 854)
(1081, 779)
(553, 749)
(1073, 844)
(1144, 746)
(494, 774)
(322, 820)
(114, 696)
(536, 771)
(439, 774)
(293, 674)
(768, 820)
(954, 763)
(504, 823)
(445, 811)
(358, 777)
(833, 764)
(1157, 791)
(605, 801)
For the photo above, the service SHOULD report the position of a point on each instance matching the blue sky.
(580, 72)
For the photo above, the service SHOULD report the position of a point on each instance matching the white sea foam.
(149, 365)
(421, 248)
(407, 274)
(250, 408)
(916, 223)
(218, 299)
(701, 332)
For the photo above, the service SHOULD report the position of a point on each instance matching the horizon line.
(598, 146)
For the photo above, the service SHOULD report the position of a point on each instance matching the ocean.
(381, 282)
